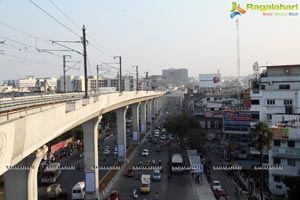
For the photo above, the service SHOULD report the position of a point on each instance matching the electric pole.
(137, 77)
(147, 82)
(64, 71)
(85, 63)
(120, 73)
(97, 83)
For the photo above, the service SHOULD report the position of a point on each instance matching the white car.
(216, 185)
(145, 152)
(156, 131)
(106, 147)
(106, 152)
(163, 137)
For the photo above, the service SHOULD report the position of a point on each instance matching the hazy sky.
(154, 34)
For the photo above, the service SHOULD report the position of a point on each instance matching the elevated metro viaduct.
(24, 135)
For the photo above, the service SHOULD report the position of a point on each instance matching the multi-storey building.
(175, 77)
(275, 94)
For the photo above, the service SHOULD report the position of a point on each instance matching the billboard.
(237, 120)
(209, 80)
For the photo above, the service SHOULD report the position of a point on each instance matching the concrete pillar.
(135, 122)
(16, 181)
(32, 178)
(149, 111)
(121, 133)
(20, 182)
(90, 142)
(153, 107)
(143, 116)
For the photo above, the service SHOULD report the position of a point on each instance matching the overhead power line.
(27, 45)
(21, 31)
(77, 26)
(66, 16)
(24, 58)
(55, 19)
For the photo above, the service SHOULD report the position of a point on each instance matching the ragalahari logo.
(236, 10)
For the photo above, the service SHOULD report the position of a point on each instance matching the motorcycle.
(135, 194)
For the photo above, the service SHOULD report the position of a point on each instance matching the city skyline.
(199, 36)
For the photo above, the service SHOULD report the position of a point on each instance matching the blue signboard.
(237, 120)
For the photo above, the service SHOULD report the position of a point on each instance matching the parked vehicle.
(51, 173)
(53, 191)
(78, 190)
(156, 176)
(145, 186)
(219, 193)
(145, 152)
(130, 172)
(114, 195)
(216, 185)
(106, 152)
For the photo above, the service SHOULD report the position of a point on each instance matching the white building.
(210, 83)
(28, 82)
(275, 95)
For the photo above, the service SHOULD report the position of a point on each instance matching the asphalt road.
(177, 188)
(69, 178)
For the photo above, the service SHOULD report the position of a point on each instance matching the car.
(156, 176)
(163, 137)
(156, 131)
(219, 193)
(106, 152)
(163, 130)
(130, 172)
(216, 185)
(114, 195)
(106, 147)
(145, 152)
(53, 191)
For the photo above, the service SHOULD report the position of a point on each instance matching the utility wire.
(23, 58)
(64, 14)
(28, 45)
(21, 31)
(51, 16)
(77, 26)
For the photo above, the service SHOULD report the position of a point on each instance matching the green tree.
(195, 138)
(293, 183)
(178, 124)
(260, 137)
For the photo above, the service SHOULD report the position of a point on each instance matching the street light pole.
(137, 77)
(120, 75)
(97, 83)
(147, 85)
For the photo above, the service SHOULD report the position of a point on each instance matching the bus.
(51, 173)
(177, 165)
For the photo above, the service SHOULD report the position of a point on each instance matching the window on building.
(291, 143)
(277, 178)
(255, 101)
(269, 116)
(279, 187)
(277, 161)
(263, 87)
(288, 102)
(271, 101)
(255, 116)
(284, 87)
(286, 71)
(276, 143)
(291, 162)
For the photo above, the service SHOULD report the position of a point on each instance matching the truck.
(146, 181)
